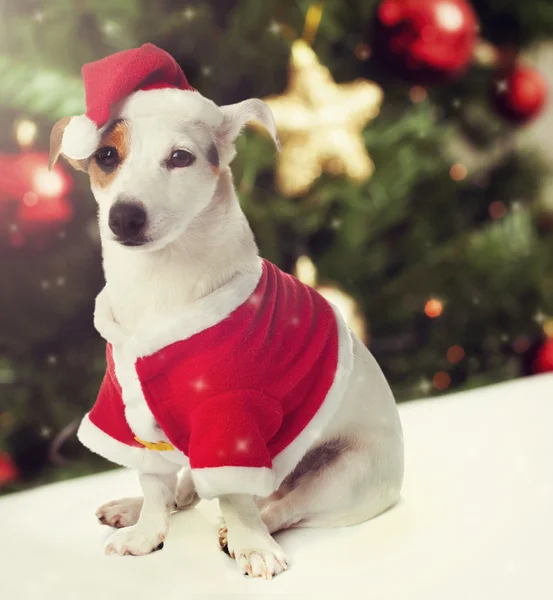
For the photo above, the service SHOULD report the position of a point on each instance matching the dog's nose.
(127, 220)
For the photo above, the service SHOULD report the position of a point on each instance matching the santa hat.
(109, 81)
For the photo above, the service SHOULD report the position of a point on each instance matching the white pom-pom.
(80, 138)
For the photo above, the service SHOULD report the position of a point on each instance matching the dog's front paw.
(256, 553)
(120, 513)
(136, 541)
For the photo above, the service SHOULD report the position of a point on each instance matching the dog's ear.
(56, 137)
(237, 116)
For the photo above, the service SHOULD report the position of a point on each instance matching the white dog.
(178, 256)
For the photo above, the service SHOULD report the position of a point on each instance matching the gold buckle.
(158, 446)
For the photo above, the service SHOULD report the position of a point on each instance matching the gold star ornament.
(320, 124)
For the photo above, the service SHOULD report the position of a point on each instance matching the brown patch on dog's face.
(111, 154)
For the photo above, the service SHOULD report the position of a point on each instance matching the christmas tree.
(408, 193)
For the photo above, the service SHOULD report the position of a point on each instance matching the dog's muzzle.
(127, 220)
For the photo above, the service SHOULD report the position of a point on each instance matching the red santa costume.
(239, 396)
(242, 383)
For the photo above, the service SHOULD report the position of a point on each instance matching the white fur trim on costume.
(211, 482)
(80, 138)
(99, 442)
(201, 315)
(186, 104)
(285, 462)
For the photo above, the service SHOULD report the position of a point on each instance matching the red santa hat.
(112, 79)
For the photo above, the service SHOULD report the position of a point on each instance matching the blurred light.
(455, 354)
(540, 317)
(30, 199)
(306, 271)
(52, 359)
(189, 13)
(502, 86)
(362, 51)
(60, 280)
(425, 386)
(274, 27)
(13, 227)
(44, 284)
(497, 210)
(548, 328)
(206, 71)
(441, 380)
(347, 307)
(449, 16)
(25, 133)
(48, 183)
(433, 308)
(486, 54)
(112, 28)
(458, 172)
(418, 94)
(521, 345)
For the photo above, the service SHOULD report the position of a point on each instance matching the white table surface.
(475, 522)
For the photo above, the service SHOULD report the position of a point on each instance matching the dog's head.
(158, 162)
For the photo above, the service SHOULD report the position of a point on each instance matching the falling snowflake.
(540, 317)
(274, 27)
(425, 385)
(199, 384)
(189, 13)
(255, 299)
(242, 444)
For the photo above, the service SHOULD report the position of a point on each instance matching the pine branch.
(42, 92)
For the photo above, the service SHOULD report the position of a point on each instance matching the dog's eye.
(180, 158)
(107, 157)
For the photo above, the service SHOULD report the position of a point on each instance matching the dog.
(177, 245)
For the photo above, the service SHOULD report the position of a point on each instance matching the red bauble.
(425, 41)
(8, 470)
(543, 362)
(37, 195)
(520, 95)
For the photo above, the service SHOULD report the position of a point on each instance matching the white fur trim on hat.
(80, 138)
